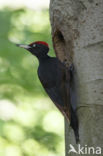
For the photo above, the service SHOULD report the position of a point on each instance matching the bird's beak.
(23, 46)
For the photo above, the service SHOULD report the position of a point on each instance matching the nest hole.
(60, 36)
(59, 44)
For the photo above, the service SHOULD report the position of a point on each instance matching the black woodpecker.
(57, 81)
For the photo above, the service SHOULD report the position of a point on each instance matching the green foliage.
(26, 129)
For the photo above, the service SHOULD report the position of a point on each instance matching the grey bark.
(77, 32)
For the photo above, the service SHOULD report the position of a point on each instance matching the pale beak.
(23, 46)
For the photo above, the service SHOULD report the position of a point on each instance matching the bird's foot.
(71, 67)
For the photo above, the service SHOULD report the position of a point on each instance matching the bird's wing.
(56, 84)
(57, 96)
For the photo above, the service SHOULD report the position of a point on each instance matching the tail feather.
(74, 124)
(74, 119)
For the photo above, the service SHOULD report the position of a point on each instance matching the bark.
(77, 32)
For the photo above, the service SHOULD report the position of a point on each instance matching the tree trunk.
(77, 32)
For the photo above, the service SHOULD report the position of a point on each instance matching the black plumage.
(57, 81)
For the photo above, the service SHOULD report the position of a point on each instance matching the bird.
(57, 81)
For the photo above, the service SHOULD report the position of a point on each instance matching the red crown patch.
(40, 42)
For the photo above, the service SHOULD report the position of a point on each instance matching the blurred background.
(30, 125)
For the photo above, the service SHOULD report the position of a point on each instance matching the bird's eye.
(34, 45)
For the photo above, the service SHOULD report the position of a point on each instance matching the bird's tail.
(74, 124)
(73, 101)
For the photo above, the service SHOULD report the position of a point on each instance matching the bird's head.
(38, 48)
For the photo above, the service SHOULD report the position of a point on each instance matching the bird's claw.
(71, 67)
